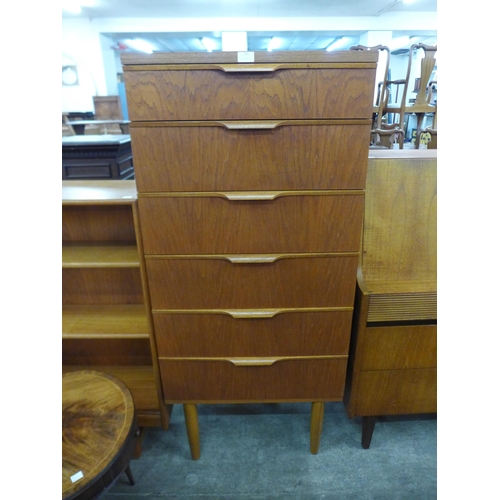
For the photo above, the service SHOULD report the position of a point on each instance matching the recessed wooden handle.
(248, 68)
(251, 195)
(251, 125)
(251, 259)
(253, 362)
(252, 313)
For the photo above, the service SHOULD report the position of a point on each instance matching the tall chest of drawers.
(250, 179)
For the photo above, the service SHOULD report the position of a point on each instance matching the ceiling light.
(337, 44)
(140, 45)
(72, 6)
(274, 43)
(75, 6)
(234, 41)
(399, 42)
(209, 44)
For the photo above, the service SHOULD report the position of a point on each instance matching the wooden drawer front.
(397, 392)
(221, 335)
(306, 379)
(215, 158)
(398, 347)
(215, 95)
(199, 283)
(214, 225)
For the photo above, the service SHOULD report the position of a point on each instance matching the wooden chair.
(383, 134)
(392, 359)
(423, 101)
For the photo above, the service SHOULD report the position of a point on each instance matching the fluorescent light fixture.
(75, 6)
(72, 6)
(140, 45)
(234, 41)
(399, 42)
(274, 43)
(337, 44)
(209, 44)
(408, 1)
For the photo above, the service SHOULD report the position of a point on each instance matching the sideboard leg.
(317, 412)
(191, 417)
(366, 435)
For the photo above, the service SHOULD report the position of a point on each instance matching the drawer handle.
(252, 259)
(248, 68)
(251, 125)
(253, 362)
(251, 196)
(249, 313)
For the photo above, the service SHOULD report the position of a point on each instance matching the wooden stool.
(99, 431)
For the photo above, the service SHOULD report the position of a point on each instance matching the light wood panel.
(105, 321)
(102, 286)
(399, 347)
(400, 226)
(98, 255)
(107, 223)
(397, 392)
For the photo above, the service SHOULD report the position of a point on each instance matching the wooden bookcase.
(105, 326)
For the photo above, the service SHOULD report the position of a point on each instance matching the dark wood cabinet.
(97, 157)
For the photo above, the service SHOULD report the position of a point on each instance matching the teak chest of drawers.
(250, 180)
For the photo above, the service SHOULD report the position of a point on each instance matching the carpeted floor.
(262, 452)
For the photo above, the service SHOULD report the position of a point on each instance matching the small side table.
(99, 432)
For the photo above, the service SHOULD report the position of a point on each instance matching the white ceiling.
(264, 10)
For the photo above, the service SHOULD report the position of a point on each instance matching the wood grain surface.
(215, 225)
(98, 418)
(286, 94)
(208, 156)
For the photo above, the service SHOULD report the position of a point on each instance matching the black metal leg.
(129, 475)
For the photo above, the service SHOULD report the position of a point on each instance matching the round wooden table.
(99, 432)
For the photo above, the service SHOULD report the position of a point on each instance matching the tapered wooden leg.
(191, 417)
(317, 412)
(367, 432)
(129, 475)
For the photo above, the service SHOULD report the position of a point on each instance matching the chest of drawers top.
(215, 86)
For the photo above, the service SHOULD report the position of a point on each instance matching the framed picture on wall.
(69, 75)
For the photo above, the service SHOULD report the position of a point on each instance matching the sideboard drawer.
(250, 155)
(399, 347)
(213, 94)
(216, 225)
(216, 283)
(252, 333)
(254, 380)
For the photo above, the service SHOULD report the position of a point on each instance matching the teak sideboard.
(250, 171)
(393, 355)
(104, 319)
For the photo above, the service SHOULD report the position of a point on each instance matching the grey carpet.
(261, 452)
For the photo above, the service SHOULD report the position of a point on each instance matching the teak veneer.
(393, 355)
(105, 324)
(250, 180)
